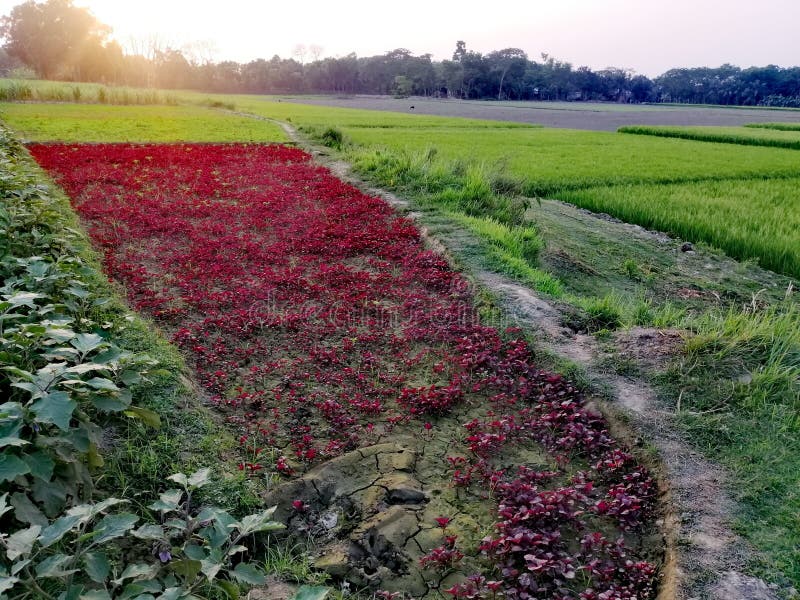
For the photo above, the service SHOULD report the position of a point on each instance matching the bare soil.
(584, 115)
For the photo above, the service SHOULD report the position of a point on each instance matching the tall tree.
(509, 62)
(53, 37)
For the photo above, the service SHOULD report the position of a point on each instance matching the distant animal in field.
(411, 107)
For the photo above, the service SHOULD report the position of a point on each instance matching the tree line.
(58, 40)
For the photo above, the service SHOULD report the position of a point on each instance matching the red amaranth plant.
(316, 321)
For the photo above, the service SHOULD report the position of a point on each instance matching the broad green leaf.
(200, 478)
(33, 329)
(96, 566)
(116, 402)
(55, 566)
(24, 299)
(215, 514)
(167, 501)
(78, 292)
(139, 589)
(101, 383)
(236, 549)
(194, 552)
(216, 536)
(130, 377)
(4, 506)
(248, 574)
(96, 509)
(50, 373)
(113, 526)
(111, 355)
(40, 464)
(210, 568)
(26, 511)
(86, 342)
(311, 592)
(145, 415)
(13, 441)
(177, 524)
(21, 542)
(188, 569)
(12, 467)
(96, 595)
(180, 479)
(29, 387)
(260, 522)
(19, 565)
(73, 592)
(230, 589)
(173, 593)
(93, 458)
(11, 420)
(58, 529)
(50, 495)
(86, 368)
(149, 532)
(7, 583)
(59, 334)
(138, 571)
(80, 437)
(55, 408)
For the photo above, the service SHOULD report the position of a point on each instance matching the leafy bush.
(332, 138)
(189, 551)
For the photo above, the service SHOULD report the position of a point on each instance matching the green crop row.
(775, 126)
(756, 219)
(772, 137)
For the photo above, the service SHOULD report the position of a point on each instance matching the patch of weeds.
(332, 138)
(290, 561)
(631, 269)
(599, 313)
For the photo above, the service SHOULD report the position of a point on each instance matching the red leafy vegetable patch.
(317, 322)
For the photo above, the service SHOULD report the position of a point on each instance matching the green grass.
(775, 126)
(102, 123)
(757, 219)
(12, 90)
(511, 250)
(746, 136)
(551, 160)
(739, 385)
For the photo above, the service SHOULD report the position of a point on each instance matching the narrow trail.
(705, 557)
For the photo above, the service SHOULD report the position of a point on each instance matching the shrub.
(332, 138)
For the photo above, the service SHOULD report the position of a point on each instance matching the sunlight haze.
(647, 37)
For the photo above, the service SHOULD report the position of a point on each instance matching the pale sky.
(649, 36)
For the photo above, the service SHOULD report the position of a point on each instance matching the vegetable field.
(320, 327)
